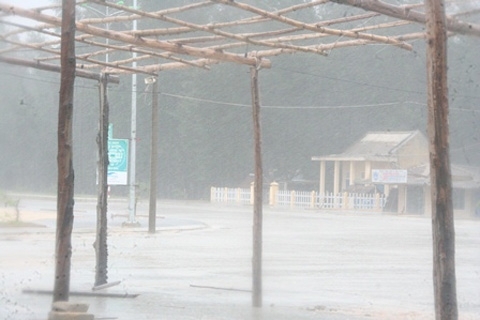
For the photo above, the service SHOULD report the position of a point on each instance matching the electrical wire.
(185, 97)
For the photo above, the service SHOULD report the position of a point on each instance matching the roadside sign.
(389, 176)
(117, 162)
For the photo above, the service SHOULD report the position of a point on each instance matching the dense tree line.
(311, 105)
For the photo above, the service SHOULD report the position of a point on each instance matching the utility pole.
(132, 203)
(444, 279)
(65, 184)
(152, 209)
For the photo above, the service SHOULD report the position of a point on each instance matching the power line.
(55, 81)
(385, 104)
(365, 84)
(224, 103)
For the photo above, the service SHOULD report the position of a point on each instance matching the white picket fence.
(231, 195)
(302, 199)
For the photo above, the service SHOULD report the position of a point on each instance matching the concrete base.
(64, 310)
(65, 306)
(56, 315)
(131, 224)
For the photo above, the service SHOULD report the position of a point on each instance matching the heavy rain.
(181, 108)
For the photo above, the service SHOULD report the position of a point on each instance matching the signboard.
(389, 176)
(117, 162)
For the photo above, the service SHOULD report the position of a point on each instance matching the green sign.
(117, 161)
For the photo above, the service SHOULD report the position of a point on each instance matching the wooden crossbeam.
(56, 56)
(404, 13)
(142, 42)
(213, 48)
(151, 54)
(25, 28)
(56, 68)
(315, 28)
(212, 29)
(112, 48)
(201, 63)
(107, 20)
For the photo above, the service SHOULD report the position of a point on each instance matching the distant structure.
(396, 163)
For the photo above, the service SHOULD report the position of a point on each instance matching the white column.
(352, 173)
(368, 170)
(336, 182)
(336, 178)
(322, 178)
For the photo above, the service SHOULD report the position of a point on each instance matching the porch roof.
(374, 146)
(464, 177)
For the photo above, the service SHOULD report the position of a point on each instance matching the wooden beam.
(106, 20)
(258, 194)
(220, 25)
(321, 47)
(65, 185)
(138, 41)
(444, 279)
(405, 13)
(200, 63)
(56, 68)
(96, 63)
(150, 53)
(316, 28)
(25, 28)
(212, 29)
(100, 244)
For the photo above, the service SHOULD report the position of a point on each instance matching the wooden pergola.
(120, 41)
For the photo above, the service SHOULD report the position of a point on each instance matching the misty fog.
(318, 263)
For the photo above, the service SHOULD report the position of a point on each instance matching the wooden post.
(313, 197)
(100, 245)
(257, 199)
(273, 194)
(213, 197)
(152, 209)
(444, 279)
(65, 184)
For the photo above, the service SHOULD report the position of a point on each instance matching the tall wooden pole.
(101, 250)
(152, 210)
(444, 280)
(257, 198)
(65, 184)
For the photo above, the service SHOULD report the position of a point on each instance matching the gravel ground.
(316, 265)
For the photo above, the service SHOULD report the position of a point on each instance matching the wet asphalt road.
(316, 265)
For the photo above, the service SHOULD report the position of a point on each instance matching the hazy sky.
(29, 3)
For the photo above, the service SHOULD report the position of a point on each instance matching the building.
(397, 165)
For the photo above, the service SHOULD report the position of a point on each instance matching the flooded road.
(316, 265)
